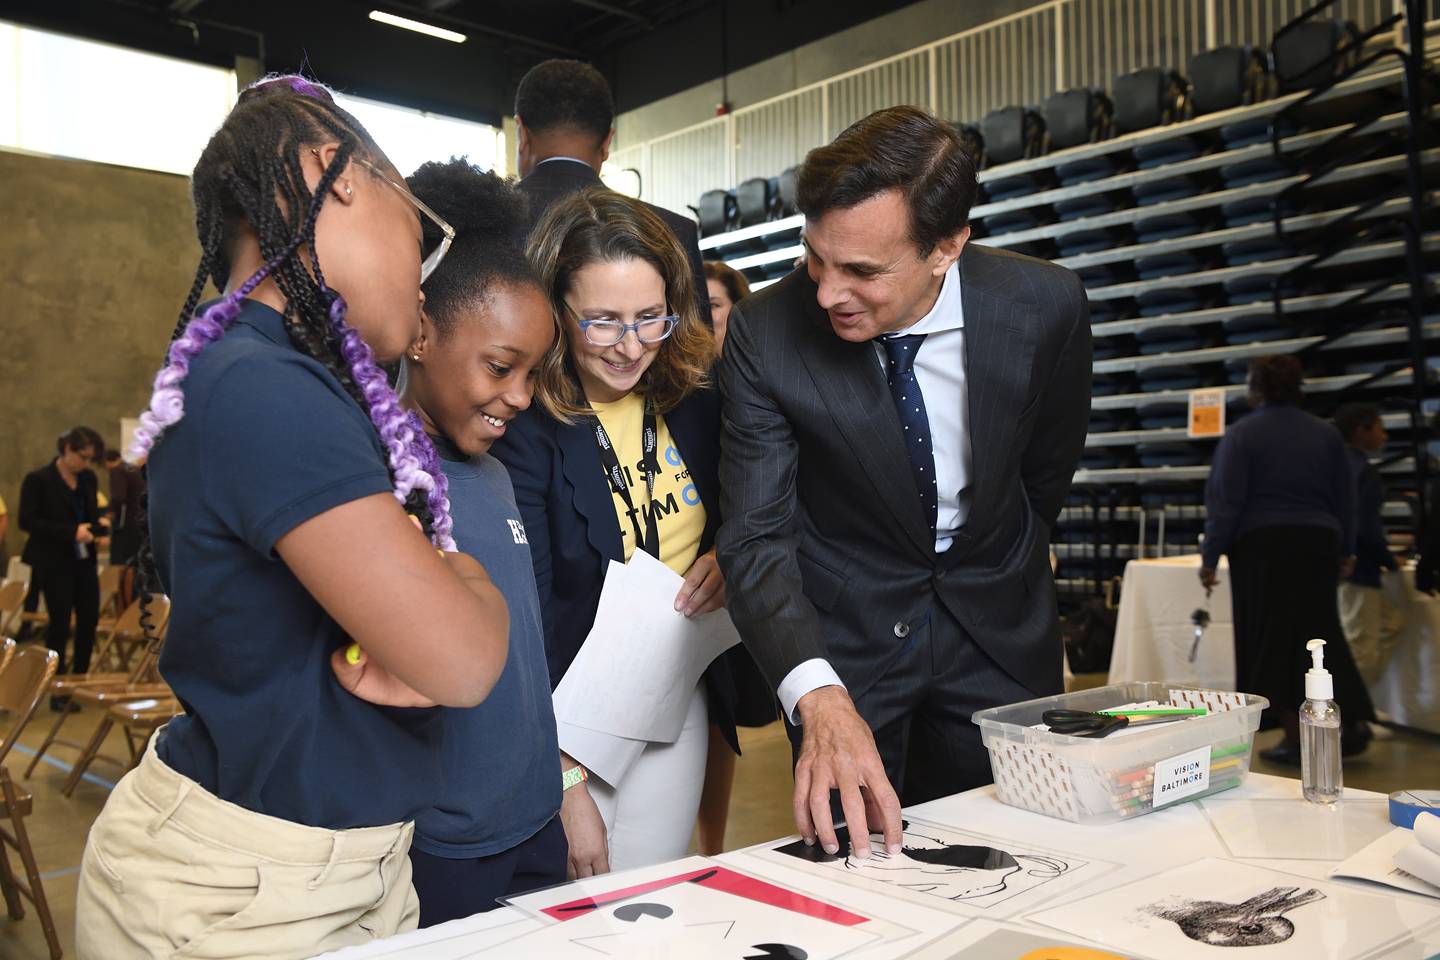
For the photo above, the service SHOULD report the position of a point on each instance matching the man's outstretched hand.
(838, 753)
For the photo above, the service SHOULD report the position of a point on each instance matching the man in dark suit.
(564, 122)
(59, 510)
(903, 417)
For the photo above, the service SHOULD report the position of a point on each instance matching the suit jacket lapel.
(999, 348)
(594, 502)
(849, 378)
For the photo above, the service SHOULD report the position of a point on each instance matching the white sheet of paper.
(637, 669)
(608, 757)
(1190, 911)
(1376, 863)
(947, 869)
(455, 940)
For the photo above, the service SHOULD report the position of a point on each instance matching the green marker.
(1157, 712)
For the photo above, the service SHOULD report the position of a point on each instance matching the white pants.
(650, 816)
(1372, 620)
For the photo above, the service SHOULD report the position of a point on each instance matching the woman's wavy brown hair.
(601, 226)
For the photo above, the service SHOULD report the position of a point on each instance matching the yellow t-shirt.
(680, 516)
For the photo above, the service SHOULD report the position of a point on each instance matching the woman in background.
(1280, 501)
(726, 287)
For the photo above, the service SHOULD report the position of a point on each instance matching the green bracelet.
(573, 777)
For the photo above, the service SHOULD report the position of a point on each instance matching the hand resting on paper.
(838, 753)
(584, 831)
(704, 588)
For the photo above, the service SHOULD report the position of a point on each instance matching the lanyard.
(649, 540)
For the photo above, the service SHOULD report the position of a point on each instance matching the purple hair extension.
(167, 401)
(411, 455)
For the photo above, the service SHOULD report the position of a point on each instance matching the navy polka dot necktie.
(910, 404)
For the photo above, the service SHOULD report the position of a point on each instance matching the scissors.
(1083, 723)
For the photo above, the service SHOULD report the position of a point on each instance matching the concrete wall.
(95, 261)
(876, 39)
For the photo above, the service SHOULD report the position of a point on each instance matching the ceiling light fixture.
(404, 23)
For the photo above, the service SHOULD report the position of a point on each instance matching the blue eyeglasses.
(607, 333)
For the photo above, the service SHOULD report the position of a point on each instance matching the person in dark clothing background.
(127, 492)
(1280, 502)
(1370, 619)
(564, 123)
(59, 510)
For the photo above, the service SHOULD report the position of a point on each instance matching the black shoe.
(1284, 754)
(59, 704)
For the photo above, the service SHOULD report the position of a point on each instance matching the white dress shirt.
(940, 371)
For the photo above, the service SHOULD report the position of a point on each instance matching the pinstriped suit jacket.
(825, 549)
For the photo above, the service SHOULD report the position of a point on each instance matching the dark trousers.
(451, 889)
(919, 711)
(1283, 589)
(72, 588)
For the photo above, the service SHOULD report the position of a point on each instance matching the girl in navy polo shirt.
(486, 332)
(273, 818)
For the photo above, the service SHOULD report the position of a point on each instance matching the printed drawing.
(1259, 921)
(940, 862)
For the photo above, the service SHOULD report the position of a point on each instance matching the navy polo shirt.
(269, 440)
(501, 758)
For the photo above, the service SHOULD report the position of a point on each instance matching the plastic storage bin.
(1108, 779)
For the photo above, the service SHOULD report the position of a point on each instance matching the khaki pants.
(170, 870)
(1372, 621)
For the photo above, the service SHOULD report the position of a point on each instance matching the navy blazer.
(566, 502)
(47, 515)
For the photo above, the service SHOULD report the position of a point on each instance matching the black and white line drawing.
(1210, 908)
(1257, 922)
(975, 873)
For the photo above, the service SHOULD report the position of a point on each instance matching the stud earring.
(348, 191)
(415, 357)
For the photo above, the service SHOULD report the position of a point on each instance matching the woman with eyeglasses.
(626, 457)
(313, 627)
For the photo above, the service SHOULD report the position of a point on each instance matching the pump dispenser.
(1320, 732)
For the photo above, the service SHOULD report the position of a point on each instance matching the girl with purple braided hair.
(282, 467)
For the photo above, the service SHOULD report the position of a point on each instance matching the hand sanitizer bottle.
(1319, 732)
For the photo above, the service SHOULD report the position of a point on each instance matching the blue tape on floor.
(59, 873)
(87, 777)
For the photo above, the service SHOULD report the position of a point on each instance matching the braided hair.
(251, 173)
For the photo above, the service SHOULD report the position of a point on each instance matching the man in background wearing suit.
(564, 122)
(902, 419)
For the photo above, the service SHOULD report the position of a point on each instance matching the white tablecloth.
(1153, 630)
(1153, 637)
(1144, 846)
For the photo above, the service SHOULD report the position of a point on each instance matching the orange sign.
(1207, 413)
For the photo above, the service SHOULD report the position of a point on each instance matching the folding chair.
(7, 651)
(138, 719)
(22, 684)
(104, 689)
(12, 604)
(110, 611)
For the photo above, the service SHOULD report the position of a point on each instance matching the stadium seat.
(1149, 98)
(1304, 54)
(1012, 133)
(717, 212)
(789, 190)
(755, 201)
(1227, 77)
